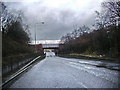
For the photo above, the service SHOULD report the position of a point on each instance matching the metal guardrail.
(12, 63)
(19, 72)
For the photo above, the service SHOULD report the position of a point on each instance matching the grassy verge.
(103, 64)
(90, 57)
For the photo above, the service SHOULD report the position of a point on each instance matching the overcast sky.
(59, 16)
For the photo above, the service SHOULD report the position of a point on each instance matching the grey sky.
(60, 16)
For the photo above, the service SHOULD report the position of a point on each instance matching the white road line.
(93, 68)
(78, 82)
(91, 73)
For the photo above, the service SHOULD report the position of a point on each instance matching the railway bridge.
(46, 45)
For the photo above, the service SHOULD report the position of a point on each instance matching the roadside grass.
(90, 57)
(103, 60)
(87, 55)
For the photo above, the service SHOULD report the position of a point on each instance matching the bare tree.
(109, 15)
(10, 16)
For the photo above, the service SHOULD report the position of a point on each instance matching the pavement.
(57, 72)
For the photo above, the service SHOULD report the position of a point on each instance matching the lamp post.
(36, 34)
(35, 39)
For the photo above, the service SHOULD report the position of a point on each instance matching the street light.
(36, 35)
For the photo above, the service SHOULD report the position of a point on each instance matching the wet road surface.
(57, 72)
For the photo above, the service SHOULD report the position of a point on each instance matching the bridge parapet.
(50, 46)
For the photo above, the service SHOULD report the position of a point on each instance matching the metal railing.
(11, 63)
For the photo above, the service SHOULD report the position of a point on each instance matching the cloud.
(60, 16)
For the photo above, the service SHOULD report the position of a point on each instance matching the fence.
(12, 63)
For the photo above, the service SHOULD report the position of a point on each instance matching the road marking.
(78, 82)
(91, 73)
(104, 71)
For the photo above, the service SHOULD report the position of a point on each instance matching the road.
(57, 72)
